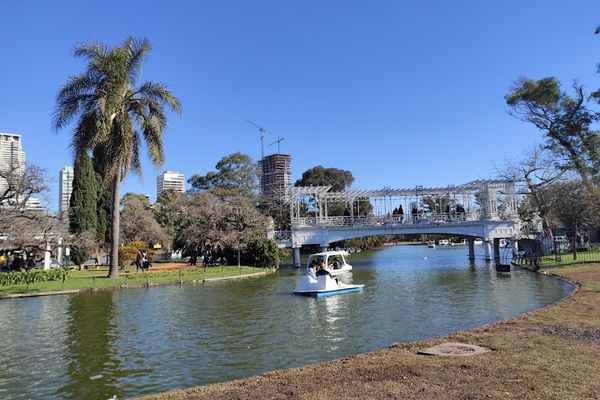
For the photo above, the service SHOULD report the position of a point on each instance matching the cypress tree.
(84, 199)
(103, 209)
(104, 196)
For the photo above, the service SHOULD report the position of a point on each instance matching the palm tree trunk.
(113, 271)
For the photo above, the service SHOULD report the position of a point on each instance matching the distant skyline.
(399, 93)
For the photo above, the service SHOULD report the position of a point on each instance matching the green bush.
(33, 276)
(262, 252)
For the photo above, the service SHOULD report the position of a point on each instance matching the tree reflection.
(92, 364)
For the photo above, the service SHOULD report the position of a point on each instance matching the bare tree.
(538, 170)
(21, 229)
(20, 184)
(209, 221)
(138, 223)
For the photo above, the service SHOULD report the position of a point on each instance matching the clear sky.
(401, 93)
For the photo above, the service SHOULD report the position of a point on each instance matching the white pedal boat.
(324, 285)
(335, 262)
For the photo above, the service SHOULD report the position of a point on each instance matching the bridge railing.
(281, 235)
(386, 220)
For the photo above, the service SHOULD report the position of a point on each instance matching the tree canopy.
(236, 174)
(338, 179)
(138, 222)
(565, 121)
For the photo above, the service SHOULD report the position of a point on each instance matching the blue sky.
(401, 93)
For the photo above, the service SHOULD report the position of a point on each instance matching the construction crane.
(262, 132)
(278, 141)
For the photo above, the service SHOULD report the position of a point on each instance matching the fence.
(586, 255)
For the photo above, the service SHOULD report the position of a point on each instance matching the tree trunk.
(113, 271)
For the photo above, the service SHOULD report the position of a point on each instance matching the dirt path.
(550, 353)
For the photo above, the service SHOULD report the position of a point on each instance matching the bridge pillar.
(487, 246)
(497, 251)
(296, 257)
(471, 242)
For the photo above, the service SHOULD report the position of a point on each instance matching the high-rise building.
(12, 158)
(33, 204)
(65, 188)
(275, 175)
(170, 180)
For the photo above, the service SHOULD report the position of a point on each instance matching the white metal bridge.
(485, 209)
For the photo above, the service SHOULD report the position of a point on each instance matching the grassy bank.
(550, 353)
(96, 279)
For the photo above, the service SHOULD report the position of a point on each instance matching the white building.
(12, 157)
(65, 188)
(34, 204)
(170, 180)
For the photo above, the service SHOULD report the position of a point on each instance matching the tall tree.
(84, 199)
(564, 120)
(236, 174)
(115, 115)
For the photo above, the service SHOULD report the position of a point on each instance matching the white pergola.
(480, 196)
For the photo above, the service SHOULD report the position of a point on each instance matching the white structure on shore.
(12, 157)
(65, 188)
(170, 180)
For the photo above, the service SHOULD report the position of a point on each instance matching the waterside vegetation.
(30, 282)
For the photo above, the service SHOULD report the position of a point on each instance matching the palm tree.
(114, 116)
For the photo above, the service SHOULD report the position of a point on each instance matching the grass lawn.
(96, 278)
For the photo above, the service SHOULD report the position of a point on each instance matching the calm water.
(140, 341)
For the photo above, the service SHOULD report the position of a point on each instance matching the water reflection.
(91, 360)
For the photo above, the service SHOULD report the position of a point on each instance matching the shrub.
(33, 276)
(263, 252)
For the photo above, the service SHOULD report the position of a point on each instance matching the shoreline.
(552, 352)
(266, 271)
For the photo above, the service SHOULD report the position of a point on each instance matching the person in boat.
(336, 263)
(322, 270)
(312, 270)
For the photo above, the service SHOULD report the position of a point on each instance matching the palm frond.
(136, 49)
(84, 137)
(136, 165)
(91, 51)
(115, 117)
(160, 93)
(73, 98)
